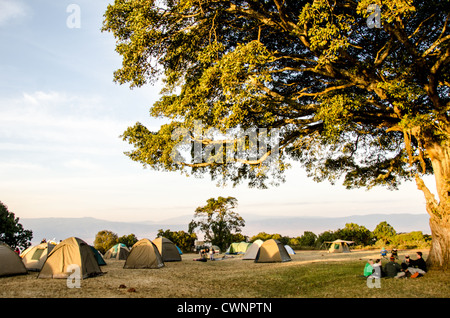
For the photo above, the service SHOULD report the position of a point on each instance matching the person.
(408, 269)
(368, 268)
(211, 254)
(202, 257)
(383, 252)
(392, 268)
(394, 253)
(404, 272)
(377, 269)
(419, 262)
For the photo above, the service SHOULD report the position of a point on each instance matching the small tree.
(104, 240)
(11, 231)
(217, 221)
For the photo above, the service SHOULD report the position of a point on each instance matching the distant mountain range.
(86, 228)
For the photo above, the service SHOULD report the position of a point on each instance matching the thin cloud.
(12, 10)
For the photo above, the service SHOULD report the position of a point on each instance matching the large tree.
(217, 221)
(352, 90)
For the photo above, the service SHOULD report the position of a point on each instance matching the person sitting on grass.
(368, 269)
(202, 257)
(419, 262)
(377, 269)
(392, 268)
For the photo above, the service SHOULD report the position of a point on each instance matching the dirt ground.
(187, 278)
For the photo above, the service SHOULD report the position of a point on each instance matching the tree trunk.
(439, 210)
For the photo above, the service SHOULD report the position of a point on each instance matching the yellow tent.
(339, 246)
(71, 251)
(272, 251)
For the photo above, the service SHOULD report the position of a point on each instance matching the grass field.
(311, 274)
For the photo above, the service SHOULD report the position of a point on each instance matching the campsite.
(309, 273)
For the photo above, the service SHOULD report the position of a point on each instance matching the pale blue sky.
(60, 120)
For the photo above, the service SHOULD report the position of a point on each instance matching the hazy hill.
(86, 227)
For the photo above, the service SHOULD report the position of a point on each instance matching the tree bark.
(439, 210)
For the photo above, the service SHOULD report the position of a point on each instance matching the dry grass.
(316, 274)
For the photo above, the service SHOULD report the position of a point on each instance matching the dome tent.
(167, 249)
(272, 251)
(252, 251)
(71, 251)
(238, 248)
(119, 252)
(98, 256)
(10, 262)
(35, 256)
(144, 254)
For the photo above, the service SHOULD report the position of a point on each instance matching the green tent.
(119, 251)
(238, 248)
(98, 256)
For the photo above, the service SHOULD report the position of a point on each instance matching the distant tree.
(308, 239)
(357, 233)
(128, 240)
(263, 236)
(327, 236)
(238, 237)
(185, 241)
(104, 240)
(384, 232)
(11, 231)
(217, 221)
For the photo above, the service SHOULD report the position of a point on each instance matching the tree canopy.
(347, 98)
(11, 231)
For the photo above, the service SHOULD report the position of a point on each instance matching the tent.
(272, 251)
(289, 250)
(144, 254)
(119, 252)
(238, 248)
(252, 251)
(339, 246)
(34, 256)
(98, 256)
(71, 251)
(10, 262)
(167, 249)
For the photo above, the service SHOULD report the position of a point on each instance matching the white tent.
(289, 250)
(35, 256)
(252, 251)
